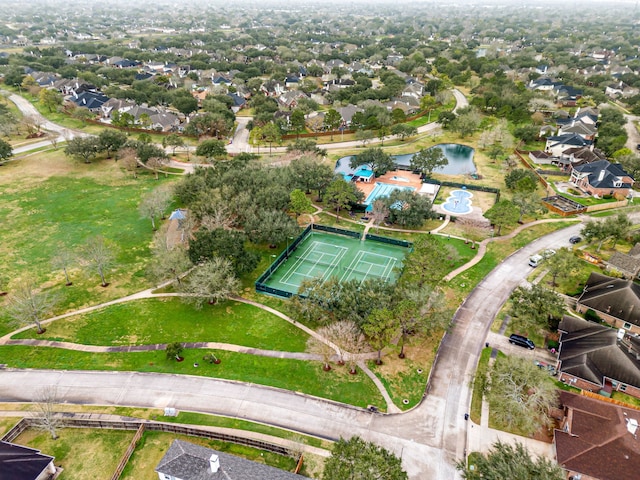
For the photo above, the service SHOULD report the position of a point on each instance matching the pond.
(460, 159)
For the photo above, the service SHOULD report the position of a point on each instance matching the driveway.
(429, 438)
(633, 137)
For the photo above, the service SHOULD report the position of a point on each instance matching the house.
(541, 158)
(598, 358)
(627, 264)
(587, 115)
(164, 121)
(187, 461)
(585, 130)
(347, 113)
(291, 98)
(597, 440)
(272, 88)
(91, 100)
(615, 300)
(601, 178)
(23, 463)
(559, 143)
(581, 155)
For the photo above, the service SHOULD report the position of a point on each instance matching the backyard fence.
(466, 186)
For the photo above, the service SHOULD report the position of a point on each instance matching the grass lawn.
(51, 202)
(169, 320)
(478, 385)
(85, 454)
(303, 376)
(153, 446)
(406, 379)
(628, 399)
(7, 423)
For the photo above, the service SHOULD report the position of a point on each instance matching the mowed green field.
(167, 320)
(49, 202)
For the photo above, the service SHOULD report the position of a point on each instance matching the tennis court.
(325, 255)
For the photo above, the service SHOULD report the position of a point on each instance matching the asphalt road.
(429, 439)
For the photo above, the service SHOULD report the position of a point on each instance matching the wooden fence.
(127, 454)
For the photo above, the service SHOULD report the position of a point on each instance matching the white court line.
(294, 269)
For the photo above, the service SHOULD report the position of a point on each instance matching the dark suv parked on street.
(521, 341)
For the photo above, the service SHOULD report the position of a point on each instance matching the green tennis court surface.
(326, 255)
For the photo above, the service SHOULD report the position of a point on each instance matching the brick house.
(615, 300)
(597, 440)
(598, 358)
(601, 178)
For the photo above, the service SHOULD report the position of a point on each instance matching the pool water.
(459, 201)
(460, 159)
(382, 190)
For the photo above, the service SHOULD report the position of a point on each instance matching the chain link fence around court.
(326, 252)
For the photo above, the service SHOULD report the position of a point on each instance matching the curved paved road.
(430, 438)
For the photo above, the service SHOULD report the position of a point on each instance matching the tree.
(364, 136)
(407, 208)
(535, 308)
(503, 213)
(97, 255)
(213, 281)
(341, 194)
(63, 260)
(430, 261)
(271, 134)
(427, 160)
(112, 141)
(512, 462)
(299, 202)
(355, 459)
(6, 152)
(229, 244)
(466, 123)
(211, 148)
(173, 351)
(50, 98)
(270, 226)
(380, 328)
(618, 227)
(169, 261)
(631, 164)
(527, 203)
(563, 264)
(129, 161)
(154, 204)
(521, 180)
(421, 310)
(297, 121)
(155, 164)
(379, 161)
(174, 141)
(402, 130)
(47, 418)
(318, 347)
(520, 394)
(595, 230)
(379, 212)
(308, 173)
(184, 102)
(28, 305)
(83, 148)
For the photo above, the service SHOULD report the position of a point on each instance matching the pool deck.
(414, 181)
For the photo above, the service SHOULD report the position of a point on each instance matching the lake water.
(460, 159)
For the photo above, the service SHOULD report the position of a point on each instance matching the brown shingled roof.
(617, 297)
(596, 441)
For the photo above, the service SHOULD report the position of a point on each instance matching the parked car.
(575, 239)
(521, 341)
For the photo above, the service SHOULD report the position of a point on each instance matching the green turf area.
(85, 454)
(167, 320)
(41, 217)
(296, 375)
(327, 255)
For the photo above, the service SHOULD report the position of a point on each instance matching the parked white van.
(535, 260)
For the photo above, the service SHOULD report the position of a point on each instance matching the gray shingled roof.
(625, 263)
(187, 461)
(614, 296)
(592, 352)
(612, 172)
(21, 463)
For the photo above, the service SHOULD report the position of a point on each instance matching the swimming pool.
(382, 190)
(459, 201)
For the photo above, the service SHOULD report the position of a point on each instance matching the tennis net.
(315, 262)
